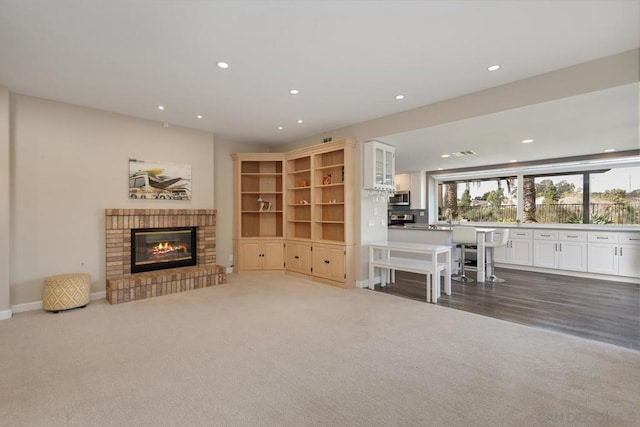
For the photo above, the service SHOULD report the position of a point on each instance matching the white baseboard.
(27, 306)
(37, 305)
(364, 284)
(98, 295)
(585, 275)
(5, 314)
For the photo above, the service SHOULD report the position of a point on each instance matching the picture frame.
(159, 180)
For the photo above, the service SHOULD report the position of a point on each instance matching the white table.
(384, 255)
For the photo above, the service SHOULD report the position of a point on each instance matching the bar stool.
(463, 237)
(504, 238)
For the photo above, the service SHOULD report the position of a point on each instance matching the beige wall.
(5, 301)
(224, 194)
(71, 163)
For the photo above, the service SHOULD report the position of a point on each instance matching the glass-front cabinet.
(379, 166)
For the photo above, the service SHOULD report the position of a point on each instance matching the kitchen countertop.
(583, 227)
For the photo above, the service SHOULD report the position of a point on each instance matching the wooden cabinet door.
(299, 257)
(272, 255)
(250, 258)
(329, 262)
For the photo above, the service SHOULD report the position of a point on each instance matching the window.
(590, 192)
(488, 200)
(614, 196)
(558, 199)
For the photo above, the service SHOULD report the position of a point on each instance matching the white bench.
(431, 268)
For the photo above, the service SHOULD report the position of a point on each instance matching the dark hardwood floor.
(594, 309)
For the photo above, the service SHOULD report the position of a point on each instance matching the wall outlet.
(372, 223)
(422, 213)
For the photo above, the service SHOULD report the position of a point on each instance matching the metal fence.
(599, 213)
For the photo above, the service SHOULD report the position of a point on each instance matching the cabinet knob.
(296, 257)
(326, 261)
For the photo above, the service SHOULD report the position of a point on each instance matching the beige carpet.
(274, 350)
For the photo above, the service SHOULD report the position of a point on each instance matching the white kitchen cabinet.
(418, 188)
(403, 182)
(629, 259)
(379, 166)
(614, 253)
(518, 250)
(565, 250)
(572, 253)
(416, 185)
(602, 251)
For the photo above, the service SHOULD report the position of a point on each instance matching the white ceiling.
(348, 59)
(574, 126)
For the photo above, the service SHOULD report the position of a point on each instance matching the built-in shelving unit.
(329, 196)
(319, 212)
(259, 206)
(298, 184)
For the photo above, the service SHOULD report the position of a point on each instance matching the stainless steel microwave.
(400, 198)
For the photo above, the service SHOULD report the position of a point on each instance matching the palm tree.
(529, 199)
(451, 199)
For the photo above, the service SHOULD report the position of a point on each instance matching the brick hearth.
(122, 286)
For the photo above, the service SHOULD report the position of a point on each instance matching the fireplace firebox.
(160, 248)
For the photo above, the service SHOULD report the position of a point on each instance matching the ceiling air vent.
(464, 153)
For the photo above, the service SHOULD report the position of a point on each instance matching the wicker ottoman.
(66, 291)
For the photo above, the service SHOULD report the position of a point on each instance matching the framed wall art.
(157, 180)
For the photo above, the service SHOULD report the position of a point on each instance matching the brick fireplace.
(122, 286)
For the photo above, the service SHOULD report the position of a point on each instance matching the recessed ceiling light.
(526, 141)
(494, 67)
(199, 116)
(222, 64)
(512, 161)
(294, 91)
(160, 107)
(299, 121)
(280, 128)
(399, 96)
(609, 150)
(445, 155)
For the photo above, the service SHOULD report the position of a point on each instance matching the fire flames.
(167, 248)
